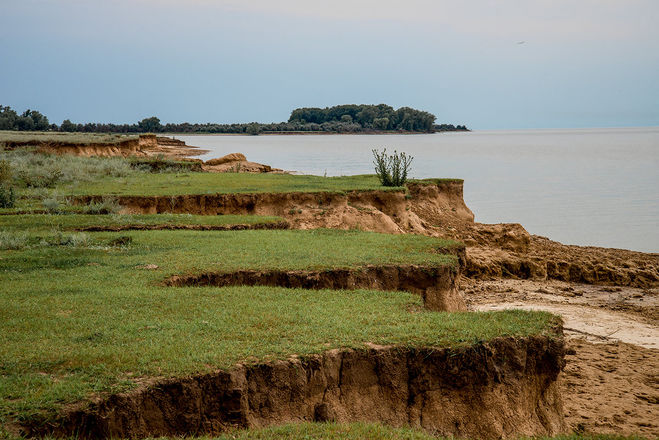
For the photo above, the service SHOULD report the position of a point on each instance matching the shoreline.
(314, 133)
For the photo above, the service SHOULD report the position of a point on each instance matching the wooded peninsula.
(350, 118)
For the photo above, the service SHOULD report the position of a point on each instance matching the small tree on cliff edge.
(391, 169)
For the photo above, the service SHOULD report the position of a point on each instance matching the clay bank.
(503, 388)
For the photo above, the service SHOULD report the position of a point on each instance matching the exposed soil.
(237, 163)
(145, 145)
(142, 227)
(494, 251)
(436, 285)
(611, 387)
(500, 389)
(381, 211)
(610, 383)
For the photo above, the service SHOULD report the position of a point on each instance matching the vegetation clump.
(392, 169)
(7, 195)
(161, 164)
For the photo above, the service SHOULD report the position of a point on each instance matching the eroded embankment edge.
(160, 227)
(437, 285)
(505, 387)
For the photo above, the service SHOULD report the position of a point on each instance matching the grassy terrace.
(227, 183)
(36, 177)
(222, 183)
(86, 316)
(46, 222)
(69, 138)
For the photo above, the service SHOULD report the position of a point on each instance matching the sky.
(489, 64)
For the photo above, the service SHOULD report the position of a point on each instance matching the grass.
(435, 181)
(220, 183)
(37, 175)
(97, 320)
(69, 138)
(46, 222)
(358, 431)
(83, 314)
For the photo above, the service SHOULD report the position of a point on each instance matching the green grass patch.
(67, 138)
(219, 183)
(47, 222)
(359, 431)
(435, 181)
(97, 320)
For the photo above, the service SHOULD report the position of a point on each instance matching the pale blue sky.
(583, 63)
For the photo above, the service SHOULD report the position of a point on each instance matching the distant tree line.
(29, 120)
(338, 119)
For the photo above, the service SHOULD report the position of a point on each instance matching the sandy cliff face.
(145, 145)
(436, 209)
(437, 286)
(500, 389)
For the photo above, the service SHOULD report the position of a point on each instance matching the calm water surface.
(595, 187)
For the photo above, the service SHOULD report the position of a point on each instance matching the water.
(595, 187)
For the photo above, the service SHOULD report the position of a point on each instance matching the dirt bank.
(500, 389)
(612, 367)
(142, 146)
(436, 285)
(436, 209)
(382, 211)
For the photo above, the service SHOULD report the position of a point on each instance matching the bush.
(51, 205)
(108, 205)
(5, 172)
(12, 241)
(7, 197)
(391, 169)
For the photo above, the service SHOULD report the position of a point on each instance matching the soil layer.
(436, 285)
(436, 209)
(611, 377)
(499, 389)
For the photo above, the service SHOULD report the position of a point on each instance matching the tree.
(254, 128)
(150, 125)
(68, 126)
(24, 123)
(8, 118)
(380, 123)
(40, 122)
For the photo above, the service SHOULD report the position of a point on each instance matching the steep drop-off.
(503, 388)
(436, 285)
(436, 209)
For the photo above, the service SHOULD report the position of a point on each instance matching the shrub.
(76, 239)
(51, 205)
(108, 205)
(5, 172)
(391, 169)
(7, 197)
(12, 241)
